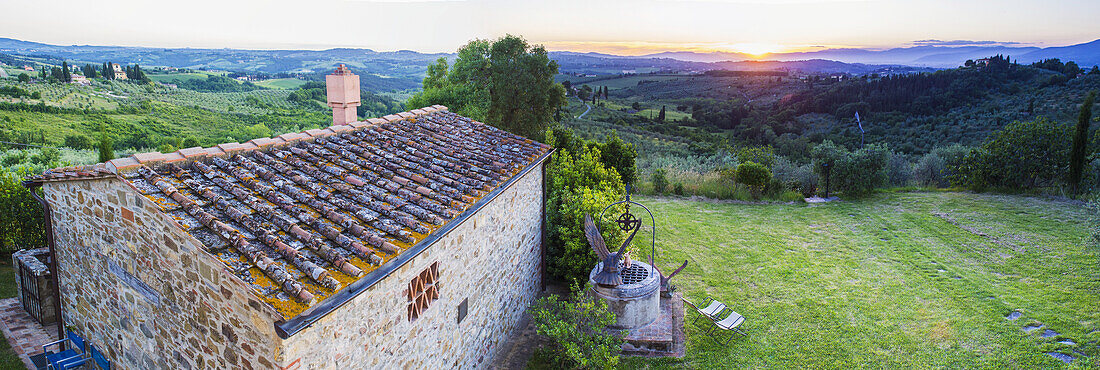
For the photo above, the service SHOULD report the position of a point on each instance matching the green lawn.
(8, 359)
(281, 83)
(168, 77)
(901, 280)
(14, 72)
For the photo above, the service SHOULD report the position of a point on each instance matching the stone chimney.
(343, 95)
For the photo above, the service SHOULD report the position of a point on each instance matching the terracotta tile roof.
(300, 216)
(99, 170)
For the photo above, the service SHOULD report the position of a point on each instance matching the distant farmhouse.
(120, 73)
(410, 241)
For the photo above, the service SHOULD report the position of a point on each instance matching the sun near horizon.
(754, 50)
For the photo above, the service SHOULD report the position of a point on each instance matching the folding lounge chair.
(100, 361)
(731, 323)
(712, 309)
(63, 359)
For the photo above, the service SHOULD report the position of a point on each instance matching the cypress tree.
(661, 115)
(66, 75)
(138, 73)
(106, 148)
(1080, 141)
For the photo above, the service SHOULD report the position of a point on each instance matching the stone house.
(409, 241)
(120, 73)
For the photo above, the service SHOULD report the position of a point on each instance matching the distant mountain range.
(597, 63)
(400, 70)
(1086, 54)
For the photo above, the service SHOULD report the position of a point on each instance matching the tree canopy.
(506, 83)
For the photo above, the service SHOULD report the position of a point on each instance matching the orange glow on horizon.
(751, 50)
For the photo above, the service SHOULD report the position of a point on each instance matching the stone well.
(636, 302)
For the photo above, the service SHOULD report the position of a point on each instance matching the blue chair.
(61, 360)
(99, 359)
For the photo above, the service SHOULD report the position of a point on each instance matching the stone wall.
(491, 260)
(34, 284)
(144, 292)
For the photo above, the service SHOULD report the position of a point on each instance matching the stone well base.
(664, 337)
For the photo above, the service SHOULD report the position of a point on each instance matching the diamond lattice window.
(423, 290)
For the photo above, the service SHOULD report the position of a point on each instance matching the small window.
(423, 290)
(462, 307)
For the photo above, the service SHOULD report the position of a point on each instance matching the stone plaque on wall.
(144, 290)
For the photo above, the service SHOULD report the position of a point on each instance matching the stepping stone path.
(1048, 333)
(1029, 328)
(1061, 356)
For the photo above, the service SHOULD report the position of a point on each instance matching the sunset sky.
(621, 27)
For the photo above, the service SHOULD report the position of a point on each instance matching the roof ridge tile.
(328, 203)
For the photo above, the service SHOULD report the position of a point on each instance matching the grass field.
(627, 81)
(8, 359)
(281, 83)
(14, 72)
(168, 77)
(165, 120)
(900, 280)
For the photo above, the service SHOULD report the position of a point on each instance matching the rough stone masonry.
(205, 258)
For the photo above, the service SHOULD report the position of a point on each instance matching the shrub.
(826, 156)
(929, 171)
(1093, 225)
(13, 158)
(48, 157)
(764, 155)
(952, 156)
(578, 184)
(727, 174)
(1092, 175)
(21, 222)
(898, 170)
(614, 153)
(854, 173)
(863, 170)
(576, 329)
(678, 189)
(619, 155)
(78, 142)
(794, 177)
(754, 175)
(189, 142)
(1022, 155)
(660, 180)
